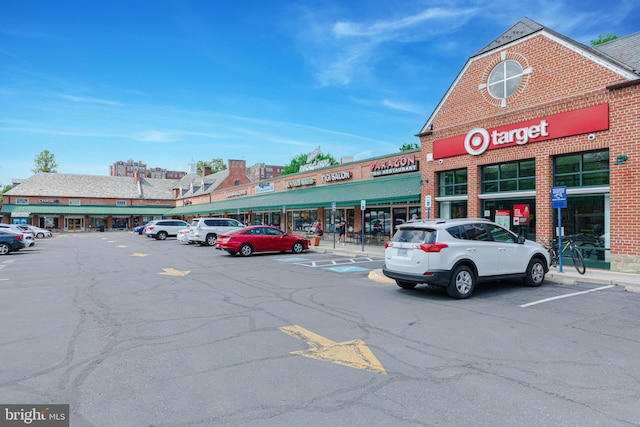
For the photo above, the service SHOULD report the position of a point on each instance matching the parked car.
(10, 242)
(38, 232)
(164, 228)
(139, 229)
(183, 235)
(28, 236)
(206, 230)
(260, 238)
(459, 253)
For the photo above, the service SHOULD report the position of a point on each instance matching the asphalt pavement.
(568, 276)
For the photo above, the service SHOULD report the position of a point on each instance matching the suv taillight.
(18, 237)
(433, 247)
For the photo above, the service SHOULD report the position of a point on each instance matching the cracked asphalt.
(132, 331)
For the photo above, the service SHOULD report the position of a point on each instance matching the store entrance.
(74, 224)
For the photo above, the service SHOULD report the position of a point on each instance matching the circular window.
(504, 79)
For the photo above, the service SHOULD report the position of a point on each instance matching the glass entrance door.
(74, 224)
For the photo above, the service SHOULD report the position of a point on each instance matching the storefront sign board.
(479, 140)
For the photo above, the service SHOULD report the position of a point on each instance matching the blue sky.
(168, 82)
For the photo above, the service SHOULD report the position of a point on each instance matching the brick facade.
(562, 78)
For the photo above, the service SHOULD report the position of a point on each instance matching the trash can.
(101, 228)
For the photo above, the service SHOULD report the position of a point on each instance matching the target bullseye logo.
(477, 141)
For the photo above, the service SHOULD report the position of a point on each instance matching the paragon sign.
(392, 166)
(479, 140)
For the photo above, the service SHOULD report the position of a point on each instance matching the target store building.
(532, 111)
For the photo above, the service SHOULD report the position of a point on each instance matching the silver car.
(459, 253)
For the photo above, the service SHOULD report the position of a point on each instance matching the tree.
(301, 159)
(215, 164)
(603, 38)
(410, 147)
(4, 190)
(45, 162)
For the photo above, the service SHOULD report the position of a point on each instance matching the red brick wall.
(561, 80)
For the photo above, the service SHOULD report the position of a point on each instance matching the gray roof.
(623, 49)
(99, 186)
(623, 52)
(193, 184)
(520, 29)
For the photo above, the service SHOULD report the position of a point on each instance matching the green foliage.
(4, 190)
(216, 165)
(294, 165)
(603, 38)
(410, 147)
(45, 162)
(301, 159)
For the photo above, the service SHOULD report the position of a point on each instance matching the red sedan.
(260, 238)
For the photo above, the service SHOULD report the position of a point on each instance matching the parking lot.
(133, 331)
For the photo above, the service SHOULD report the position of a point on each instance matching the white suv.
(161, 229)
(459, 253)
(205, 230)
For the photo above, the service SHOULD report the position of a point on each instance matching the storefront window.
(301, 220)
(453, 209)
(377, 222)
(452, 183)
(517, 215)
(514, 176)
(267, 218)
(582, 169)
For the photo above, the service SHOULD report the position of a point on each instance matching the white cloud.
(154, 136)
(84, 99)
(345, 49)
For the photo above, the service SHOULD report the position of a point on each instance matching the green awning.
(377, 191)
(55, 209)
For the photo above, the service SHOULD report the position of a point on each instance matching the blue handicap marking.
(298, 259)
(346, 269)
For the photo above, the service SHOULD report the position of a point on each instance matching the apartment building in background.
(131, 168)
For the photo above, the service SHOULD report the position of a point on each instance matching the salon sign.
(479, 140)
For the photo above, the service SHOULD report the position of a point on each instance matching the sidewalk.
(569, 275)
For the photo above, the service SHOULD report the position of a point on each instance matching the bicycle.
(567, 243)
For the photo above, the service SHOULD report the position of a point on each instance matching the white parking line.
(330, 262)
(567, 296)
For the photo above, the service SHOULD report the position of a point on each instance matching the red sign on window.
(521, 214)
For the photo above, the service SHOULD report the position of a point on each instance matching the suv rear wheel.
(162, 235)
(462, 283)
(210, 240)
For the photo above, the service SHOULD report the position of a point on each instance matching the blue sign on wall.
(559, 196)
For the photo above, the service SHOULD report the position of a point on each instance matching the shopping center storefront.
(81, 218)
(387, 199)
(513, 126)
